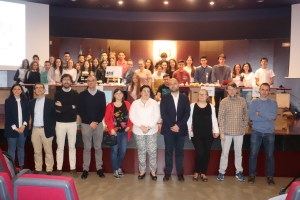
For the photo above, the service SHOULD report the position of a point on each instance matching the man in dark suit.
(42, 111)
(175, 112)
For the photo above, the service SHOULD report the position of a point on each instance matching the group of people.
(144, 116)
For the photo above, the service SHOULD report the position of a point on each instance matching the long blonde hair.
(138, 85)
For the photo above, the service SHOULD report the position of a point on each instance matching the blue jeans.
(247, 95)
(117, 158)
(174, 141)
(19, 143)
(256, 140)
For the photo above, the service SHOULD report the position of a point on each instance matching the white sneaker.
(120, 172)
(116, 174)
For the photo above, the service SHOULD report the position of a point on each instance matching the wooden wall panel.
(140, 49)
(188, 48)
(236, 51)
(211, 49)
(96, 45)
(71, 45)
(118, 46)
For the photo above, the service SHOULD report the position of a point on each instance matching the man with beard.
(66, 114)
(175, 112)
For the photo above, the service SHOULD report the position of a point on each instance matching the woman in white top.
(55, 72)
(157, 78)
(203, 128)
(249, 81)
(71, 70)
(236, 75)
(20, 73)
(190, 68)
(144, 114)
(144, 74)
(134, 88)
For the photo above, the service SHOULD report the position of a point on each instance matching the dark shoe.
(154, 178)
(203, 178)
(140, 177)
(49, 173)
(100, 173)
(166, 177)
(58, 172)
(251, 179)
(270, 180)
(74, 173)
(36, 172)
(180, 177)
(195, 179)
(21, 167)
(84, 174)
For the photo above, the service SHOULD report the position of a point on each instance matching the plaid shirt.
(233, 116)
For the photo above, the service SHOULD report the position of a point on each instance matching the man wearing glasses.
(42, 111)
(91, 108)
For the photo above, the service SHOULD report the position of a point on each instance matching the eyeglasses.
(202, 95)
(91, 80)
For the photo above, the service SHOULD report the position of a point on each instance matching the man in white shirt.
(264, 75)
(42, 112)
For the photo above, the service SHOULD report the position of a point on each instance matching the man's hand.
(93, 125)
(175, 128)
(58, 103)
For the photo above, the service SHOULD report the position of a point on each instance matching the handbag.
(109, 140)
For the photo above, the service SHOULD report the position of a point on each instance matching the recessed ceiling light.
(211, 3)
(120, 2)
(260, 1)
(73, 0)
(166, 2)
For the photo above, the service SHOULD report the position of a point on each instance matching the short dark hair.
(66, 75)
(264, 58)
(180, 61)
(222, 55)
(145, 86)
(80, 55)
(163, 55)
(47, 61)
(67, 53)
(203, 57)
(166, 75)
(35, 56)
(104, 52)
(265, 84)
(39, 83)
(250, 68)
(115, 91)
(231, 84)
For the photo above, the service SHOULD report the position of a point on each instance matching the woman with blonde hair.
(203, 128)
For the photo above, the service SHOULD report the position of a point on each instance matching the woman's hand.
(215, 135)
(144, 129)
(127, 129)
(113, 132)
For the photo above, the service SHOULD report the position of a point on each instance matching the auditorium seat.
(36, 187)
(294, 192)
(4, 168)
(6, 189)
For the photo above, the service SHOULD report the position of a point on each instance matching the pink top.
(145, 76)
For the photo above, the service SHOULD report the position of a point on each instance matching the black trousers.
(219, 95)
(202, 147)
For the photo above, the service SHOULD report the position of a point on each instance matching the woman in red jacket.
(118, 124)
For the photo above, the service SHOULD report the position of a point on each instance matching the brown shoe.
(58, 172)
(270, 180)
(49, 173)
(196, 178)
(167, 177)
(36, 172)
(180, 177)
(251, 179)
(203, 178)
(74, 173)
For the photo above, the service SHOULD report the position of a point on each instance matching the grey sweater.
(220, 73)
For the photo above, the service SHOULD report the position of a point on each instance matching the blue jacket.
(11, 116)
(49, 116)
(168, 114)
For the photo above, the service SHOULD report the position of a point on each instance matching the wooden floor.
(130, 188)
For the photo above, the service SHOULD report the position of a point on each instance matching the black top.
(66, 112)
(34, 77)
(163, 89)
(202, 122)
(121, 117)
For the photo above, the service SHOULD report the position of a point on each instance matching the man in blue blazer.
(42, 111)
(175, 112)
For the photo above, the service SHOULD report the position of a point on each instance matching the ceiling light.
(212, 3)
(73, 0)
(166, 2)
(260, 1)
(120, 2)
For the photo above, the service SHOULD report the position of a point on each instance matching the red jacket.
(109, 118)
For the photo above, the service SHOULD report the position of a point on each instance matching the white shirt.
(155, 76)
(147, 114)
(20, 116)
(72, 72)
(264, 75)
(189, 70)
(250, 80)
(39, 112)
(237, 80)
(175, 98)
(53, 75)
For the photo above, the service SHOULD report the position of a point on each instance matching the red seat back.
(292, 190)
(6, 189)
(3, 165)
